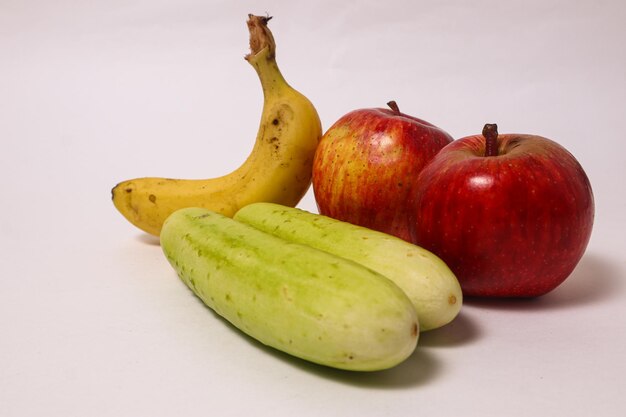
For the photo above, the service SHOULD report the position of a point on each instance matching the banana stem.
(262, 54)
(260, 35)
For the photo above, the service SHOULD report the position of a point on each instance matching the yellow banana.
(277, 170)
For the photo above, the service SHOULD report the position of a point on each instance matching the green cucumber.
(432, 287)
(297, 299)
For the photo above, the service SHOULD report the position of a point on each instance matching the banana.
(277, 170)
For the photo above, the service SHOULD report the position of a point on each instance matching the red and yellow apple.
(366, 163)
(510, 214)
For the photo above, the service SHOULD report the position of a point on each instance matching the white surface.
(93, 321)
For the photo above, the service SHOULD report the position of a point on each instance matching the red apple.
(366, 162)
(510, 214)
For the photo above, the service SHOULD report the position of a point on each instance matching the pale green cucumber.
(300, 300)
(432, 287)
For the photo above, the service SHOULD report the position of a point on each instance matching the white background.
(94, 322)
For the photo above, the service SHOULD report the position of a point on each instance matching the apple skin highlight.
(511, 225)
(366, 162)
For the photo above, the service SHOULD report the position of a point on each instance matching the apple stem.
(394, 106)
(490, 132)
